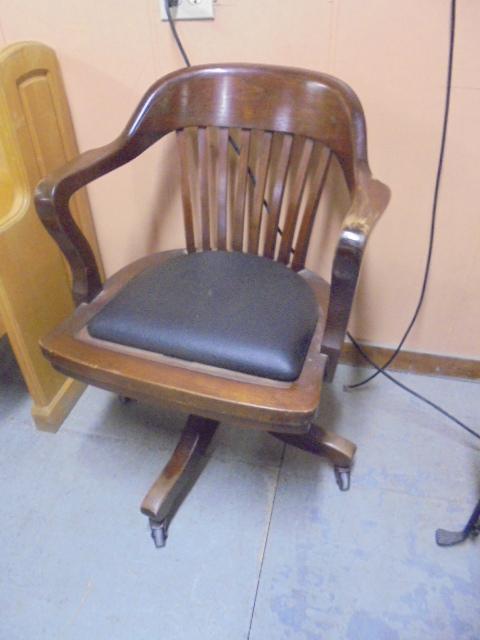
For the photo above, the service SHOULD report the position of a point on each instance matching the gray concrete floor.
(265, 546)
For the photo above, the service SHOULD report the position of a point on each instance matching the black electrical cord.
(173, 28)
(411, 391)
(432, 232)
(382, 369)
(438, 176)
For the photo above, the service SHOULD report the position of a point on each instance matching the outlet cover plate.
(189, 10)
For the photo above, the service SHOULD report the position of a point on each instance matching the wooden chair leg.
(178, 477)
(339, 451)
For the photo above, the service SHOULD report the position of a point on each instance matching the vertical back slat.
(261, 171)
(203, 186)
(240, 191)
(318, 182)
(294, 201)
(222, 184)
(185, 167)
(277, 196)
(212, 182)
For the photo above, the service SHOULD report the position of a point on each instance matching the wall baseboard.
(414, 362)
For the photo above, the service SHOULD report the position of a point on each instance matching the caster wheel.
(342, 476)
(159, 533)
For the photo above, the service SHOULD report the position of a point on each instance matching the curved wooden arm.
(52, 197)
(370, 199)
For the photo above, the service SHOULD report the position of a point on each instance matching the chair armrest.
(52, 197)
(370, 199)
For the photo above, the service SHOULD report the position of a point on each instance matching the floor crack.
(280, 466)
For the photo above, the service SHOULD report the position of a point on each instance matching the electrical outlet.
(188, 9)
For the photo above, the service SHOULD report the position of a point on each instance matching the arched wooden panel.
(36, 137)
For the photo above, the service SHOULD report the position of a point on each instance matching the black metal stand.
(472, 528)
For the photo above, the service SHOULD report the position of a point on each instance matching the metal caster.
(159, 533)
(446, 538)
(342, 476)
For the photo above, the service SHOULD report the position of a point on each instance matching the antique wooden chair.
(233, 327)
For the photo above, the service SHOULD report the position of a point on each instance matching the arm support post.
(369, 201)
(52, 197)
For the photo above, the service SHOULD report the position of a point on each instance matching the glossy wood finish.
(370, 199)
(255, 147)
(276, 199)
(261, 174)
(290, 102)
(258, 185)
(170, 488)
(339, 451)
(36, 137)
(318, 183)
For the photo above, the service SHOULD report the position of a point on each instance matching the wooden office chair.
(233, 327)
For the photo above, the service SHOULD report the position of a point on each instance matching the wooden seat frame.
(216, 102)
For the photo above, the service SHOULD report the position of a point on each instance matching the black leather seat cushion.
(231, 310)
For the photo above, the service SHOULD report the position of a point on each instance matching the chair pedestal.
(191, 455)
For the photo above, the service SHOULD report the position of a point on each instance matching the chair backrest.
(255, 146)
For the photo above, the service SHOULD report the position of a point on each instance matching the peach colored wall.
(393, 54)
